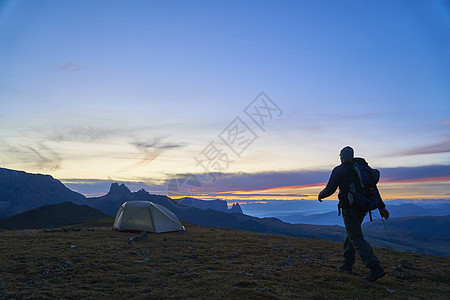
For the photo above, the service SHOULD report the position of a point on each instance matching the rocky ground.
(90, 261)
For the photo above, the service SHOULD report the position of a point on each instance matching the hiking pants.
(355, 242)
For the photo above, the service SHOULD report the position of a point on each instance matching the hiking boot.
(346, 267)
(375, 273)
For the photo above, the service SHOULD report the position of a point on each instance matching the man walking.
(354, 242)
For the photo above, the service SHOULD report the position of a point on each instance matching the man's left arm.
(384, 213)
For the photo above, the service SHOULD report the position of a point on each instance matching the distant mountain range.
(427, 225)
(118, 194)
(328, 218)
(305, 212)
(416, 210)
(23, 192)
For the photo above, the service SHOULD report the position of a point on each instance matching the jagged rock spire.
(117, 189)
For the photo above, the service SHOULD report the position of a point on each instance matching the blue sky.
(102, 91)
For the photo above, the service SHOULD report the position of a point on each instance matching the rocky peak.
(141, 194)
(236, 208)
(117, 189)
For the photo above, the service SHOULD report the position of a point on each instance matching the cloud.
(152, 149)
(237, 194)
(415, 174)
(418, 180)
(36, 157)
(254, 182)
(69, 67)
(36, 154)
(45, 158)
(442, 147)
(264, 185)
(351, 116)
(82, 134)
(277, 183)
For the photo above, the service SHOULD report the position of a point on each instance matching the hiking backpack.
(363, 193)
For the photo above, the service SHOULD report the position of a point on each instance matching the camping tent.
(137, 216)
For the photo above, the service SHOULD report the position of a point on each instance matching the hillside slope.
(48, 216)
(205, 262)
(414, 242)
(439, 226)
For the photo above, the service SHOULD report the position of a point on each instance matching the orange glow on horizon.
(274, 189)
(413, 189)
(425, 179)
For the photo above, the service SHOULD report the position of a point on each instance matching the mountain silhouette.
(217, 204)
(21, 191)
(119, 194)
(236, 209)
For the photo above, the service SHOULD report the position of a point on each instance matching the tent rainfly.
(138, 216)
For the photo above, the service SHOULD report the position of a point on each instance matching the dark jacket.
(340, 177)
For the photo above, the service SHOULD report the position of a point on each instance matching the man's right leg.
(352, 220)
(349, 257)
(349, 252)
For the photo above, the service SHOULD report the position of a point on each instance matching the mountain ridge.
(118, 194)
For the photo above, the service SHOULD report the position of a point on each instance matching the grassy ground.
(205, 262)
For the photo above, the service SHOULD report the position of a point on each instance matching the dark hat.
(347, 153)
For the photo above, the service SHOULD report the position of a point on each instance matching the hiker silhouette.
(353, 218)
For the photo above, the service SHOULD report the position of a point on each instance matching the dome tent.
(138, 216)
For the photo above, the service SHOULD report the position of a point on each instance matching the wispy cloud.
(81, 134)
(427, 179)
(37, 156)
(441, 147)
(351, 116)
(86, 133)
(69, 67)
(417, 174)
(152, 149)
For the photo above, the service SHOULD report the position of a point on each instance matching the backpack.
(363, 193)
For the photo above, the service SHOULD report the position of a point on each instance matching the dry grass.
(205, 262)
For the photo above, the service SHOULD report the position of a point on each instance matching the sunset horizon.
(226, 100)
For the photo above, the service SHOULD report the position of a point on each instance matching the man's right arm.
(332, 185)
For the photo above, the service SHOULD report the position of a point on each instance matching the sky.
(238, 100)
